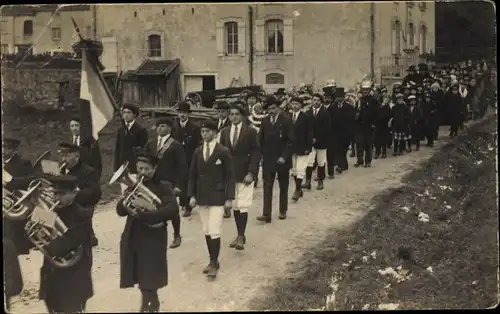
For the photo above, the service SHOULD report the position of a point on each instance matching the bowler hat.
(147, 157)
(222, 105)
(329, 90)
(184, 106)
(131, 107)
(280, 91)
(165, 121)
(238, 105)
(65, 147)
(208, 124)
(270, 101)
(11, 143)
(340, 93)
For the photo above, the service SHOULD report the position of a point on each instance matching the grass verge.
(449, 262)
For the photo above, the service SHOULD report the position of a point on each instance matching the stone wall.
(38, 87)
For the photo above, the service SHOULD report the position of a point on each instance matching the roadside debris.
(400, 275)
(388, 306)
(423, 217)
(406, 209)
(445, 187)
(366, 307)
(429, 269)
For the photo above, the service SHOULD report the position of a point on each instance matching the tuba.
(15, 203)
(122, 176)
(41, 234)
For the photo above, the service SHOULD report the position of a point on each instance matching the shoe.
(307, 185)
(339, 170)
(331, 176)
(213, 270)
(176, 243)
(356, 165)
(187, 213)
(377, 156)
(368, 165)
(282, 216)
(94, 242)
(320, 185)
(207, 268)
(296, 195)
(316, 179)
(233, 244)
(353, 154)
(417, 148)
(239, 245)
(264, 218)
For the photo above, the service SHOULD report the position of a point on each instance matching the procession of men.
(212, 168)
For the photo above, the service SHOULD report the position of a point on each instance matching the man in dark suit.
(143, 245)
(171, 167)
(242, 141)
(346, 110)
(189, 135)
(276, 140)
(223, 121)
(332, 150)
(130, 139)
(66, 290)
(365, 126)
(322, 131)
(302, 144)
(90, 153)
(212, 187)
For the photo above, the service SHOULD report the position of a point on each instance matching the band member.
(322, 130)
(13, 277)
(90, 153)
(365, 126)
(302, 144)
(66, 290)
(415, 122)
(223, 113)
(400, 124)
(131, 138)
(171, 168)
(347, 113)
(189, 135)
(143, 244)
(333, 146)
(382, 133)
(212, 187)
(241, 139)
(275, 138)
(429, 111)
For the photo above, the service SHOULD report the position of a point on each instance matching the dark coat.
(12, 272)
(91, 153)
(438, 98)
(417, 78)
(143, 249)
(383, 117)
(322, 128)
(74, 283)
(172, 164)
(456, 108)
(225, 124)
(304, 134)
(276, 141)
(347, 124)
(400, 118)
(189, 137)
(212, 182)
(367, 116)
(14, 229)
(416, 122)
(246, 153)
(127, 145)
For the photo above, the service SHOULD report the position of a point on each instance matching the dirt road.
(270, 248)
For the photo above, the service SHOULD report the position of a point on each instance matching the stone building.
(24, 26)
(273, 45)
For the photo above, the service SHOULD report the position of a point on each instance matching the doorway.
(208, 82)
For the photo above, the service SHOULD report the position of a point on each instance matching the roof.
(157, 67)
(30, 10)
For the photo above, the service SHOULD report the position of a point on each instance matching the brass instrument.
(38, 161)
(135, 200)
(14, 203)
(42, 234)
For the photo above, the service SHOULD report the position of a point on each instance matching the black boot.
(209, 247)
(408, 146)
(417, 146)
(298, 190)
(321, 177)
(237, 221)
(395, 151)
(384, 152)
(377, 152)
(214, 261)
(307, 184)
(241, 239)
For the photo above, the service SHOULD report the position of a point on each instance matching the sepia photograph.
(249, 156)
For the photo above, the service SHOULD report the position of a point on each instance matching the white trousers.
(243, 197)
(299, 165)
(123, 186)
(319, 155)
(211, 220)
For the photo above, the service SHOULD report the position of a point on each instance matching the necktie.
(207, 151)
(295, 114)
(75, 140)
(235, 135)
(220, 124)
(160, 142)
(273, 120)
(315, 112)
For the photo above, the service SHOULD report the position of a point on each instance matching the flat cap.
(65, 147)
(11, 143)
(208, 124)
(147, 157)
(131, 107)
(165, 121)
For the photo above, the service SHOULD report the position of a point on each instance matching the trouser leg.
(268, 178)
(283, 181)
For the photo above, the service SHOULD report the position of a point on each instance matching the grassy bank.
(438, 233)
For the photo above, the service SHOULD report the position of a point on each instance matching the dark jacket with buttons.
(128, 143)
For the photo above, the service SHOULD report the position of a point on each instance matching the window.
(56, 33)
(423, 39)
(28, 28)
(411, 34)
(5, 49)
(154, 45)
(274, 32)
(396, 37)
(422, 5)
(231, 29)
(24, 49)
(275, 79)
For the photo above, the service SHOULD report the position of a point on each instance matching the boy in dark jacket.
(415, 122)
(382, 134)
(400, 124)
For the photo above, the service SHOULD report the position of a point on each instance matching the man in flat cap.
(241, 140)
(171, 167)
(276, 140)
(211, 187)
(130, 139)
(66, 290)
(143, 244)
(222, 108)
(188, 134)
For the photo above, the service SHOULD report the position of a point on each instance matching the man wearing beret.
(241, 139)
(212, 187)
(223, 113)
(131, 138)
(276, 140)
(143, 244)
(189, 135)
(66, 290)
(171, 167)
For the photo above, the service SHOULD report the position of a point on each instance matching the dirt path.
(270, 250)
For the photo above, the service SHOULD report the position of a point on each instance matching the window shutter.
(241, 38)
(219, 36)
(260, 37)
(288, 37)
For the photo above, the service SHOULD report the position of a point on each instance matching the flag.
(94, 89)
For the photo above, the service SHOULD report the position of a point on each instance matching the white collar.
(7, 160)
(130, 124)
(164, 137)
(237, 125)
(183, 124)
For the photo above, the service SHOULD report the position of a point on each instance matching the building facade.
(43, 27)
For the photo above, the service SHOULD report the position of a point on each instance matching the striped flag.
(94, 89)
